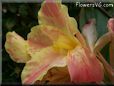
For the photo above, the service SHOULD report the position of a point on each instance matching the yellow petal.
(56, 14)
(16, 46)
(37, 39)
(43, 36)
(40, 63)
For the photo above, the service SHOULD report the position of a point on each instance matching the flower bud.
(110, 24)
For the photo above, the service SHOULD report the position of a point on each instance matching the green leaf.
(111, 11)
(23, 10)
(12, 8)
(10, 23)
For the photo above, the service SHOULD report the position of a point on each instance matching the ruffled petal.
(43, 36)
(37, 39)
(40, 63)
(84, 67)
(90, 33)
(55, 14)
(17, 47)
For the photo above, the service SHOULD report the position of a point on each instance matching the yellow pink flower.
(52, 44)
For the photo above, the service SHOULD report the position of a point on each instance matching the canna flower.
(52, 43)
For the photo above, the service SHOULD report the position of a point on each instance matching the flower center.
(66, 43)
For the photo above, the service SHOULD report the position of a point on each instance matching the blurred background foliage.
(20, 17)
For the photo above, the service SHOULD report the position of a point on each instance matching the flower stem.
(108, 68)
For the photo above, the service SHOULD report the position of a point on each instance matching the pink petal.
(37, 39)
(84, 67)
(90, 33)
(17, 47)
(55, 14)
(40, 63)
(111, 24)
